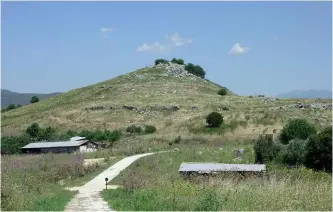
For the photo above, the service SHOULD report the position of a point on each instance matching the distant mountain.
(9, 97)
(307, 94)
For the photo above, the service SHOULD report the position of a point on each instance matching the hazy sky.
(249, 47)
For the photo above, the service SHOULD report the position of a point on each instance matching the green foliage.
(265, 150)
(214, 120)
(98, 135)
(222, 92)
(297, 128)
(30, 182)
(195, 70)
(13, 145)
(33, 130)
(150, 129)
(209, 202)
(11, 107)
(295, 151)
(34, 99)
(134, 129)
(178, 61)
(162, 61)
(177, 140)
(318, 154)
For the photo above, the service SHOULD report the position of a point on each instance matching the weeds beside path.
(89, 198)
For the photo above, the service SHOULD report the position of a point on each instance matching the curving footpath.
(89, 197)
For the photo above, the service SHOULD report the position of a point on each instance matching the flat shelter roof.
(220, 167)
(54, 144)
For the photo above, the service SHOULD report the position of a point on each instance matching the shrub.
(178, 61)
(34, 99)
(162, 61)
(318, 151)
(13, 145)
(150, 129)
(214, 120)
(33, 130)
(297, 128)
(134, 129)
(295, 152)
(195, 70)
(265, 149)
(222, 92)
(10, 107)
(177, 140)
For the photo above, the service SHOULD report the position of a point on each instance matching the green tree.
(265, 149)
(195, 70)
(150, 129)
(222, 92)
(162, 61)
(295, 152)
(178, 61)
(10, 107)
(318, 151)
(33, 130)
(297, 128)
(34, 99)
(214, 120)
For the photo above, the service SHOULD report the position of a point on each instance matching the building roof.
(220, 167)
(54, 144)
(77, 138)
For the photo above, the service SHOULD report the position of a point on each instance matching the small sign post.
(106, 182)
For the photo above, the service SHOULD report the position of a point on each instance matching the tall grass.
(31, 182)
(153, 183)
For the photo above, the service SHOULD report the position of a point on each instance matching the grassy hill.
(173, 102)
(10, 97)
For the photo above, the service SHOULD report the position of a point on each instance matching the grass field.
(153, 183)
(38, 182)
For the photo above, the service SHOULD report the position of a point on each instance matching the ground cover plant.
(31, 182)
(153, 183)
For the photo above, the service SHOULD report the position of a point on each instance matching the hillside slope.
(165, 96)
(10, 97)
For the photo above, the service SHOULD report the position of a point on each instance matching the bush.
(150, 129)
(318, 151)
(162, 61)
(177, 140)
(195, 70)
(214, 120)
(297, 128)
(222, 92)
(295, 152)
(134, 129)
(265, 149)
(10, 107)
(34, 99)
(33, 130)
(13, 145)
(178, 61)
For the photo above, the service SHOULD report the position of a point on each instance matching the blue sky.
(250, 47)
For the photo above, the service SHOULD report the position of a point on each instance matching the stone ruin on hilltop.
(175, 70)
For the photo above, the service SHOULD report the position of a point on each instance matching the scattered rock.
(102, 86)
(95, 108)
(239, 152)
(129, 107)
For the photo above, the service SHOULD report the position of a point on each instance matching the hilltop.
(9, 97)
(168, 97)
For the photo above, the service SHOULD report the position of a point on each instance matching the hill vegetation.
(171, 106)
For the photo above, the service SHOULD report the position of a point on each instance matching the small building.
(80, 145)
(207, 168)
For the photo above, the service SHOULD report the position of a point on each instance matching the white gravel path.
(89, 197)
